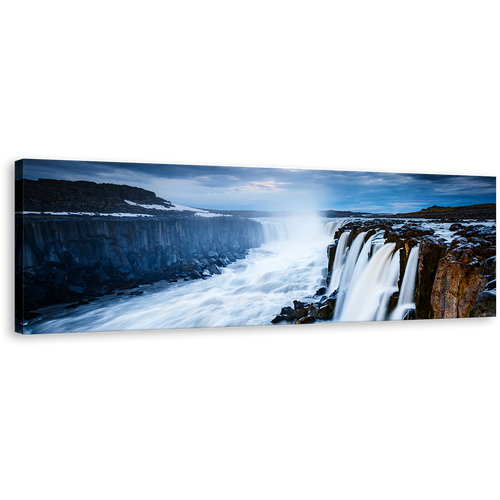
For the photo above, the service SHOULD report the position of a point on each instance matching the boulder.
(214, 269)
(288, 313)
(300, 313)
(430, 252)
(298, 305)
(278, 319)
(485, 305)
(306, 319)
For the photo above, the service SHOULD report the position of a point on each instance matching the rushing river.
(248, 292)
(290, 266)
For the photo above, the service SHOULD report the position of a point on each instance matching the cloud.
(266, 186)
(206, 186)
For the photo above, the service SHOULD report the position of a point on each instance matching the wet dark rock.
(321, 291)
(288, 313)
(491, 285)
(305, 320)
(485, 305)
(278, 319)
(409, 314)
(298, 305)
(393, 302)
(456, 227)
(300, 313)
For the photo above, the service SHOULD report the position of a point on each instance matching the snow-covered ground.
(174, 207)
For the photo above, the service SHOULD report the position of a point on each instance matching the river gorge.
(97, 275)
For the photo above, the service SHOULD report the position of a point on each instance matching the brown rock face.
(457, 282)
(430, 252)
(330, 252)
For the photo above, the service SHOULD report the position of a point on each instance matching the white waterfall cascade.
(274, 230)
(339, 261)
(366, 275)
(332, 226)
(405, 301)
(348, 268)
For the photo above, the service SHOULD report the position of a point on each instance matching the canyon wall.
(63, 260)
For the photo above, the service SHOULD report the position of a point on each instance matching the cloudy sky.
(276, 188)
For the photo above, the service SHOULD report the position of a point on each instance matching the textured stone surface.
(430, 252)
(485, 305)
(457, 282)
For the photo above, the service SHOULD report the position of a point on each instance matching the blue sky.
(255, 188)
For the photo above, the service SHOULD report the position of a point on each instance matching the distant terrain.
(82, 198)
(484, 211)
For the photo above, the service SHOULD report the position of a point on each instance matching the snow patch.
(149, 207)
(209, 214)
(89, 213)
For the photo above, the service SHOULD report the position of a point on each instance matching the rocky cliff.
(455, 279)
(65, 260)
(49, 195)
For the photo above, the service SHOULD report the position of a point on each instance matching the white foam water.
(405, 301)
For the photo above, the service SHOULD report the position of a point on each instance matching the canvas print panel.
(123, 246)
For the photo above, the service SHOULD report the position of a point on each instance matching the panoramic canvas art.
(106, 246)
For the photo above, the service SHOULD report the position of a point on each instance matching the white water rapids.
(290, 266)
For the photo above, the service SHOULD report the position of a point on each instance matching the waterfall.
(348, 269)
(362, 300)
(405, 301)
(332, 226)
(274, 230)
(366, 275)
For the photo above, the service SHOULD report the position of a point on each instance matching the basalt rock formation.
(60, 261)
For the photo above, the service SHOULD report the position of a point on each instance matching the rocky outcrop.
(430, 253)
(457, 282)
(63, 261)
(303, 313)
(49, 195)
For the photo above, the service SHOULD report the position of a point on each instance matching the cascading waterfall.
(339, 261)
(366, 275)
(363, 299)
(405, 301)
(332, 226)
(274, 230)
(348, 269)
